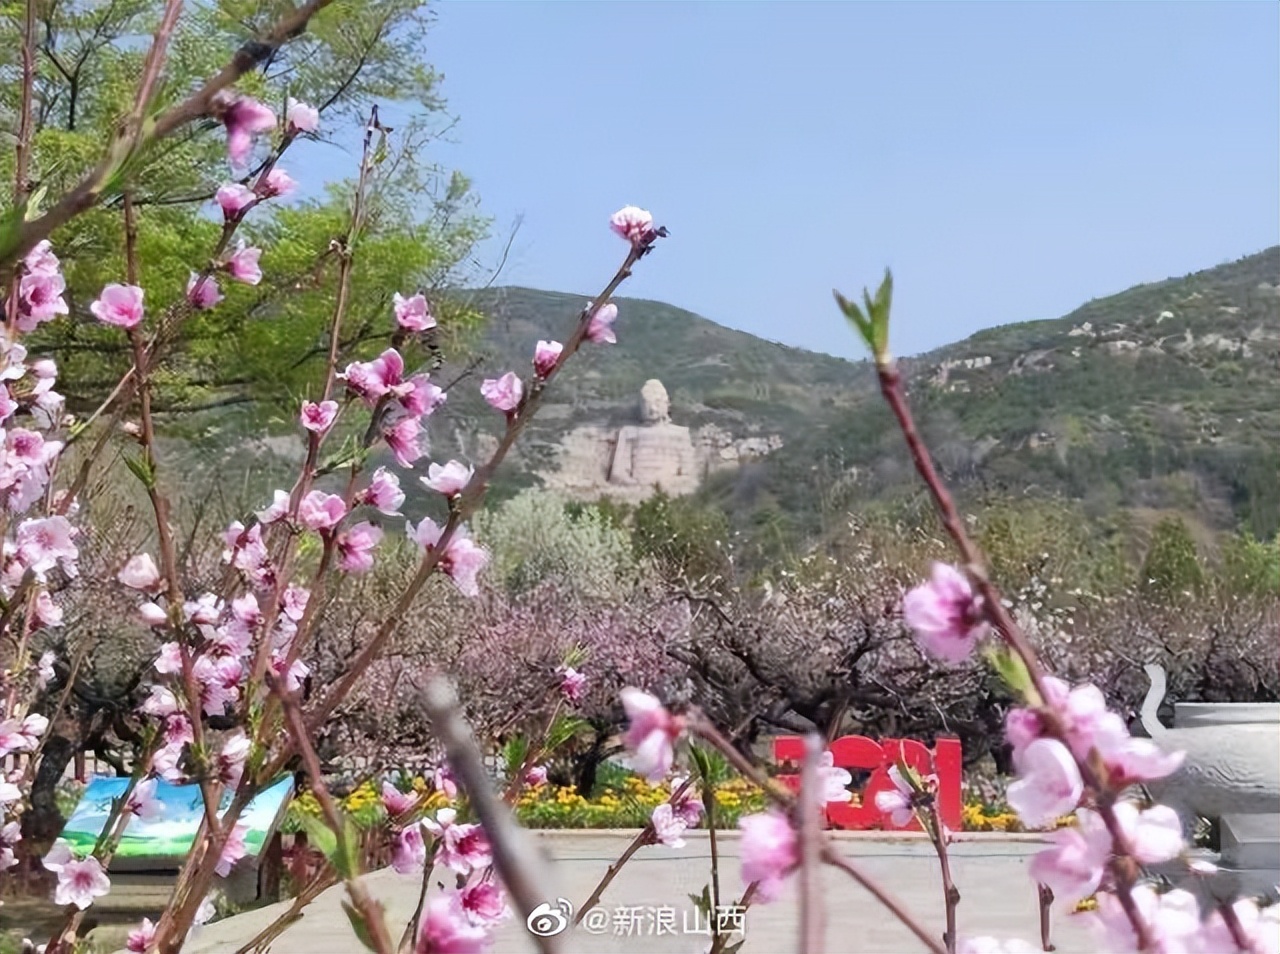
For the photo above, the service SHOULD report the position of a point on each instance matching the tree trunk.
(43, 823)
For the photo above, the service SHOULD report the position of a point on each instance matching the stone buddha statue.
(656, 452)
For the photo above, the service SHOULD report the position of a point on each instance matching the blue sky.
(1008, 161)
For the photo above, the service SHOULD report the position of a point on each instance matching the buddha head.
(655, 406)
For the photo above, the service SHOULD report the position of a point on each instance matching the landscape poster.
(172, 833)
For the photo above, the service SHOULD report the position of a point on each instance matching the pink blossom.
(244, 118)
(1154, 834)
(442, 781)
(1050, 784)
(668, 827)
(688, 806)
(231, 759)
(651, 733)
(161, 702)
(140, 938)
(419, 397)
(46, 611)
(384, 493)
(279, 507)
(446, 928)
(462, 559)
(945, 614)
(301, 118)
(1129, 760)
(408, 852)
(234, 198)
(204, 611)
(535, 775)
(484, 903)
(294, 675)
(119, 305)
(373, 379)
(449, 479)
(40, 299)
(545, 356)
(276, 184)
(203, 293)
(1173, 920)
(573, 684)
(243, 265)
(504, 393)
(897, 803)
(1073, 866)
(233, 850)
(413, 313)
(295, 601)
(402, 438)
(600, 327)
(769, 851)
(395, 801)
(169, 662)
(149, 614)
(1089, 726)
(79, 882)
(219, 679)
(143, 802)
(633, 224)
(10, 835)
(318, 418)
(321, 511)
(141, 573)
(45, 542)
(464, 848)
(41, 260)
(356, 546)
(1261, 930)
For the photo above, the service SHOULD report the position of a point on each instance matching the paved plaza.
(647, 907)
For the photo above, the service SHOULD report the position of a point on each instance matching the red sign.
(857, 753)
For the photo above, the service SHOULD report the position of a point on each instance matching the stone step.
(1250, 841)
(1187, 715)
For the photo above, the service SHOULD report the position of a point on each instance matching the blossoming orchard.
(239, 686)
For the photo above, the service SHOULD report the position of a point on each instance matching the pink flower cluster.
(651, 733)
(463, 558)
(406, 402)
(40, 288)
(460, 919)
(946, 614)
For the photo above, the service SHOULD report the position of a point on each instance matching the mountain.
(1164, 396)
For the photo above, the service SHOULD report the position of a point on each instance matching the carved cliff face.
(632, 462)
(655, 405)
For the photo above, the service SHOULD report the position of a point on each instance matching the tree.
(1171, 565)
(263, 342)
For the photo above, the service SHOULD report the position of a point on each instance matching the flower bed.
(626, 802)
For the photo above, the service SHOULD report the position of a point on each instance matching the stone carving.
(1228, 769)
(635, 461)
(657, 453)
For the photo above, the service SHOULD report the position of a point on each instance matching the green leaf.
(350, 864)
(1013, 671)
(872, 324)
(34, 202)
(563, 729)
(856, 318)
(358, 922)
(322, 836)
(703, 901)
(142, 470)
(10, 226)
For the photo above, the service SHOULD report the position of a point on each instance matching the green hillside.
(1165, 396)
